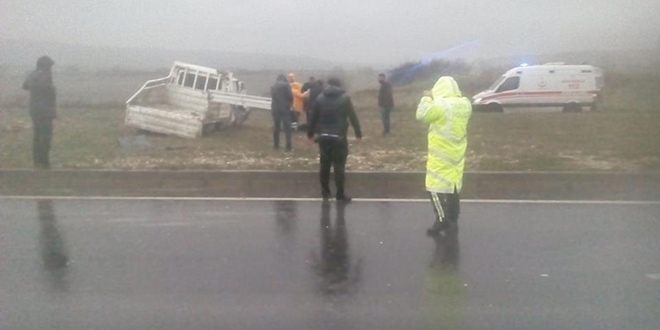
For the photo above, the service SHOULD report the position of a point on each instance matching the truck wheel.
(494, 107)
(572, 107)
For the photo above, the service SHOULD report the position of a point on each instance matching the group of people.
(329, 113)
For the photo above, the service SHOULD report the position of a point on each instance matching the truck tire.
(572, 107)
(494, 107)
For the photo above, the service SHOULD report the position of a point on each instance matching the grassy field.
(624, 135)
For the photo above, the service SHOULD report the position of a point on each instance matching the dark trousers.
(446, 206)
(281, 119)
(43, 135)
(333, 154)
(385, 118)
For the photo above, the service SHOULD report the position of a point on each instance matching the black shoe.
(344, 199)
(437, 228)
(289, 149)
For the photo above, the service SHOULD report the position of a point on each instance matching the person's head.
(280, 77)
(319, 83)
(334, 82)
(45, 63)
(291, 77)
(381, 77)
(312, 79)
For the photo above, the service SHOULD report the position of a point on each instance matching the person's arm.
(352, 117)
(390, 95)
(288, 96)
(430, 110)
(313, 121)
(26, 83)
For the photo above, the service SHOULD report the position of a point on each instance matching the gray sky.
(365, 31)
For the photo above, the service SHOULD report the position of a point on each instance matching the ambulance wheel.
(572, 107)
(494, 107)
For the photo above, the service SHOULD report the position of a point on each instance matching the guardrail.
(244, 100)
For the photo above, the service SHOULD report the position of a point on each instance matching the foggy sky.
(360, 31)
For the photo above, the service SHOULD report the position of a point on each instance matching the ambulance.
(550, 87)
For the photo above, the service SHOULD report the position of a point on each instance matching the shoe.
(437, 228)
(326, 196)
(289, 149)
(344, 199)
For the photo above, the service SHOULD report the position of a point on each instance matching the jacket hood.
(333, 91)
(281, 78)
(446, 87)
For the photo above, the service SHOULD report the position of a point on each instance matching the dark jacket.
(42, 94)
(282, 97)
(307, 86)
(314, 93)
(385, 98)
(332, 112)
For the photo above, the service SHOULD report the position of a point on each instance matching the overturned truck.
(191, 101)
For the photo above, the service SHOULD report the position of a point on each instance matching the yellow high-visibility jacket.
(447, 114)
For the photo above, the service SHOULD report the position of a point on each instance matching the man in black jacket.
(282, 99)
(385, 102)
(332, 112)
(42, 110)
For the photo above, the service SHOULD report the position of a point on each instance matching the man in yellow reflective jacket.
(447, 113)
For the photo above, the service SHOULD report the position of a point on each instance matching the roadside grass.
(623, 135)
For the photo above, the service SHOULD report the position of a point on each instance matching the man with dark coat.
(42, 110)
(332, 112)
(385, 102)
(282, 99)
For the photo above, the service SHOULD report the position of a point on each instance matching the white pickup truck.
(191, 101)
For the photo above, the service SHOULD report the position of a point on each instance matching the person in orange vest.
(298, 100)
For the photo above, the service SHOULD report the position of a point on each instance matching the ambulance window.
(496, 83)
(180, 82)
(510, 84)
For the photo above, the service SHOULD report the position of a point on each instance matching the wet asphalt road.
(301, 265)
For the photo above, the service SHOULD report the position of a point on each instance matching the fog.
(370, 32)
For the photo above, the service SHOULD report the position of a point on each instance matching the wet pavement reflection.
(309, 265)
(445, 287)
(337, 273)
(52, 246)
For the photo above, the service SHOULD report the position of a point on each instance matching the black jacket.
(281, 95)
(332, 112)
(385, 98)
(42, 94)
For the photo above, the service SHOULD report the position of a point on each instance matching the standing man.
(309, 84)
(42, 110)
(330, 117)
(281, 101)
(307, 102)
(447, 114)
(298, 99)
(385, 102)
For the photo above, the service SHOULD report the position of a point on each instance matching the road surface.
(222, 264)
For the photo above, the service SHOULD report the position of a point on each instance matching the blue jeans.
(385, 117)
(281, 119)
